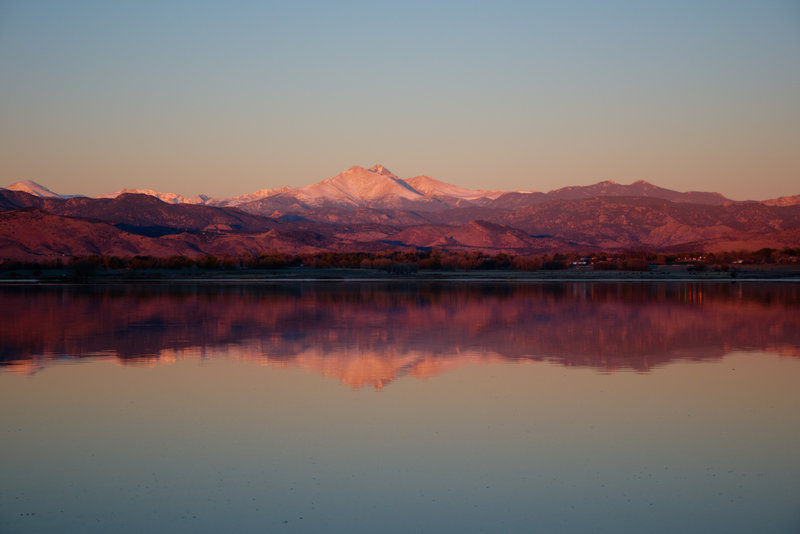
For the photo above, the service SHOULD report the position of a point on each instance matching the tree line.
(405, 261)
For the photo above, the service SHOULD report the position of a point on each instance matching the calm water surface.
(578, 407)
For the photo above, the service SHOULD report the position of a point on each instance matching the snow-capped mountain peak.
(358, 186)
(174, 198)
(379, 188)
(31, 187)
(383, 171)
(243, 199)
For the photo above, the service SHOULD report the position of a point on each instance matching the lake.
(405, 407)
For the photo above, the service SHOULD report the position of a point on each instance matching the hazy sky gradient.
(225, 98)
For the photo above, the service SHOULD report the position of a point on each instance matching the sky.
(225, 98)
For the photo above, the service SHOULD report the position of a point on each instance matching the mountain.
(360, 187)
(373, 210)
(447, 192)
(652, 223)
(476, 235)
(608, 188)
(32, 188)
(783, 201)
(379, 188)
(243, 199)
(32, 233)
(518, 199)
(639, 188)
(142, 212)
(169, 198)
(357, 187)
(174, 198)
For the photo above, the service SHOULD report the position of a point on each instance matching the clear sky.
(225, 98)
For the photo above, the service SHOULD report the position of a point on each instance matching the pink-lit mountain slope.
(450, 193)
(376, 188)
(372, 209)
(379, 188)
(357, 186)
(32, 188)
(174, 198)
(149, 226)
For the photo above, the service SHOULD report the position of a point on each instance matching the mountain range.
(373, 209)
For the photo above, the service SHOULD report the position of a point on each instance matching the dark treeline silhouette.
(409, 261)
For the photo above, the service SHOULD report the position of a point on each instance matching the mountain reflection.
(370, 334)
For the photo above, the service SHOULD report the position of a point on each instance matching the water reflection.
(370, 334)
(210, 445)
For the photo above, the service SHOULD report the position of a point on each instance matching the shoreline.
(767, 273)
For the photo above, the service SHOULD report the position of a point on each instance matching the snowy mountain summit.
(357, 186)
(31, 187)
(383, 171)
(378, 188)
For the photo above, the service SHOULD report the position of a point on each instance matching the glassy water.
(579, 407)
